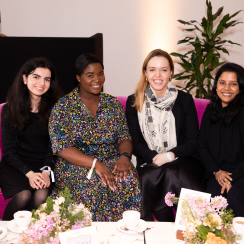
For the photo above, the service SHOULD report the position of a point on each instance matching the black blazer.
(186, 123)
(220, 146)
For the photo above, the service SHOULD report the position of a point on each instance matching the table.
(160, 233)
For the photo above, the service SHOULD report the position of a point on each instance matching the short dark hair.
(84, 60)
(237, 103)
(18, 98)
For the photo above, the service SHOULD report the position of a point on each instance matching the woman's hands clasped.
(121, 168)
(38, 180)
(224, 179)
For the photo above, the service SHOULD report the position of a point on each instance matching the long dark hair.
(237, 103)
(19, 101)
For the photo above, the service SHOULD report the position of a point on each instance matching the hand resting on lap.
(162, 158)
(37, 180)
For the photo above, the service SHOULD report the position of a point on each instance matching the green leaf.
(189, 52)
(197, 28)
(233, 15)
(189, 83)
(184, 22)
(185, 66)
(177, 55)
(197, 93)
(225, 51)
(221, 24)
(188, 29)
(183, 77)
(186, 62)
(210, 19)
(209, 58)
(219, 11)
(204, 24)
(204, 35)
(236, 23)
(178, 75)
(220, 42)
(186, 39)
(217, 64)
(234, 43)
(231, 23)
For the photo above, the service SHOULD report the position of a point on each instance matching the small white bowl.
(131, 218)
(22, 219)
(238, 224)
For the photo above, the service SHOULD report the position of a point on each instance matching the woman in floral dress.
(88, 131)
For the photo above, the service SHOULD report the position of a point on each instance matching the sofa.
(200, 107)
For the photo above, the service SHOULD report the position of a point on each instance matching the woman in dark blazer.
(222, 137)
(164, 128)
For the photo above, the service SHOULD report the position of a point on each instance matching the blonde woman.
(164, 128)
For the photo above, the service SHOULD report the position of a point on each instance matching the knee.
(41, 196)
(26, 199)
(23, 198)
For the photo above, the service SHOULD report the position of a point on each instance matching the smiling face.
(158, 73)
(227, 87)
(91, 80)
(38, 82)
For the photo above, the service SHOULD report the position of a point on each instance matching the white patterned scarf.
(160, 134)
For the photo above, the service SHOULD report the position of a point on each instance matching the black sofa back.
(62, 51)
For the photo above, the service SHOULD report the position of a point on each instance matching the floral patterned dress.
(72, 125)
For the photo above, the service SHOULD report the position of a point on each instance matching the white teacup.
(22, 219)
(238, 224)
(131, 218)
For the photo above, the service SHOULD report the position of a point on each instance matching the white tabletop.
(160, 233)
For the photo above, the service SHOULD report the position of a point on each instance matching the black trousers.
(156, 182)
(235, 196)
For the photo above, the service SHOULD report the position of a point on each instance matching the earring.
(146, 78)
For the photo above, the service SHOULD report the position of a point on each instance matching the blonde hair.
(142, 84)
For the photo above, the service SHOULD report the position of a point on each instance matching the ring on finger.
(220, 179)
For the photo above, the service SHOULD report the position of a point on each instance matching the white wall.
(131, 29)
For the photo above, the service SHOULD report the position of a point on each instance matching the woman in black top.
(25, 138)
(164, 128)
(221, 141)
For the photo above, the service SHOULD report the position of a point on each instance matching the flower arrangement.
(207, 222)
(55, 216)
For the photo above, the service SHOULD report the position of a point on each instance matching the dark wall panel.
(14, 51)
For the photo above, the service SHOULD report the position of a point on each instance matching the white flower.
(59, 200)
(213, 220)
(56, 208)
(78, 208)
(44, 205)
(43, 216)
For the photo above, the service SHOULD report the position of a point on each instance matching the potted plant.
(204, 56)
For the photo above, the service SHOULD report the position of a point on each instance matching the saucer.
(14, 228)
(4, 233)
(139, 228)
